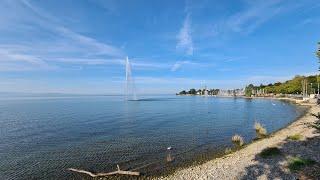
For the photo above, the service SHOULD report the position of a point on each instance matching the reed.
(228, 151)
(237, 140)
(260, 130)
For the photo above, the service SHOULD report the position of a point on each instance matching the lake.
(42, 136)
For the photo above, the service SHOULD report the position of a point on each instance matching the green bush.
(295, 137)
(297, 163)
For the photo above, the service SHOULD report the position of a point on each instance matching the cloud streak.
(255, 14)
(62, 43)
(185, 43)
(252, 16)
(179, 64)
(100, 48)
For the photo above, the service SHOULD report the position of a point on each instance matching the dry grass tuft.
(228, 151)
(260, 130)
(237, 140)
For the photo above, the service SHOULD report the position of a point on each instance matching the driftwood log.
(106, 174)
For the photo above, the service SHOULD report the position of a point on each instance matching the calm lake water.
(40, 137)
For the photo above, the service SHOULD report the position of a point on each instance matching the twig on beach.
(132, 173)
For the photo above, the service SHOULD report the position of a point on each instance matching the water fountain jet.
(130, 86)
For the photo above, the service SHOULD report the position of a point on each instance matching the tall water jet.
(130, 86)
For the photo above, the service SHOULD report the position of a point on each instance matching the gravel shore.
(248, 164)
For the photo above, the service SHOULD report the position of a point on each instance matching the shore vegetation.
(296, 163)
(292, 86)
(316, 124)
(199, 92)
(260, 130)
(295, 137)
(237, 140)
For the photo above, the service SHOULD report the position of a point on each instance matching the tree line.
(199, 91)
(293, 86)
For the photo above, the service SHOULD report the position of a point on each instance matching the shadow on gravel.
(272, 167)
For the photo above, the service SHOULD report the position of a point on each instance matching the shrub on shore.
(260, 130)
(316, 115)
(237, 140)
(316, 124)
(228, 151)
(295, 137)
(297, 163)
(269, 152)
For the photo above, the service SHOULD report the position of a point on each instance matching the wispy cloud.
(58, 42)
(247, 20)
(308, 21)
(7, 56)
(136, 64)
(194, 64)
(88, 61)
(256, 13)
(100, 48)
(110, 6)
(184, 37)
(178, 65)
(14, 61)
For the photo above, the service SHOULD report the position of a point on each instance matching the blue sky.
(80, 46)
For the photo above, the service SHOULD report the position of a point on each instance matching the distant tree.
(192, 91)
(262, 86)
(213, 91)
(248, 90)
(183, 92)
(292, 86)
(277, 83)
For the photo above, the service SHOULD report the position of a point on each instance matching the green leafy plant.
(297, 163)
(295, 137)
(316, 115)
(316, 126)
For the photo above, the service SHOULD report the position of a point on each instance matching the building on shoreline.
(213, 92)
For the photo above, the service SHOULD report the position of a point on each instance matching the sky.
(80, 46)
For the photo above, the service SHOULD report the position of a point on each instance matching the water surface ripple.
(41, 137)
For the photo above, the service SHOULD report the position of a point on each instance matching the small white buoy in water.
(169, 148)
(273, 104)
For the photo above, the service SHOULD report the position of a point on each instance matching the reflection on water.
(41, 137)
